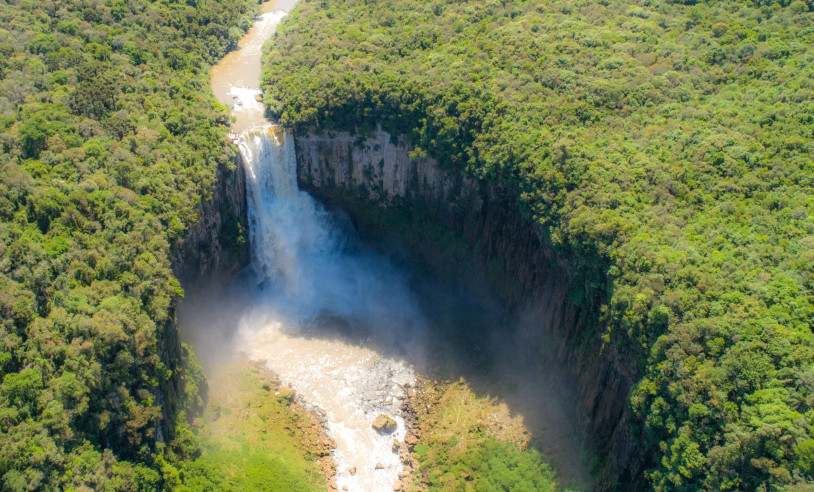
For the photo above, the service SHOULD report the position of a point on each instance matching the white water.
(323, 300)
(236, 78)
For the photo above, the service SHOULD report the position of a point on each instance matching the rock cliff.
(216, 246)
(212, 250)
(356, 172)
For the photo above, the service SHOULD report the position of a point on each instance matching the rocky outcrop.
(384, 424)
(354, 172)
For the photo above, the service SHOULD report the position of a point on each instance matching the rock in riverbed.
(384, 424)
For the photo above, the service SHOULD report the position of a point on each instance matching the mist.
(309, 271)
(312, 278)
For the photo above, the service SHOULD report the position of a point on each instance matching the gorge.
(456, 245)
(329, 313)
(574, 155)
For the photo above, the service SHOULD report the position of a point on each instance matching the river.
(321, 297)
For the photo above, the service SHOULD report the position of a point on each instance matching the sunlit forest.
(109, 137)
(664, 147)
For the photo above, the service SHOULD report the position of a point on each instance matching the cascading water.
(322, 299)
(284, 221)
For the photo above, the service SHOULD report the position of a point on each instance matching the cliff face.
(355, 173)
(217, 246)
(213, 249)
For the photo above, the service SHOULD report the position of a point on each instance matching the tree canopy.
(109, 138)
(665, 145)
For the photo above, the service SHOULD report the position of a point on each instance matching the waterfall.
(306, 258)
(314, 278)
(285, 224)
(327, 315)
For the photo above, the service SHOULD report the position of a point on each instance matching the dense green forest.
(109, 137)
(665, 146)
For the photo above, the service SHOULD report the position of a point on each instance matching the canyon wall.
(213, 249)
(216, 246)
(356, 173)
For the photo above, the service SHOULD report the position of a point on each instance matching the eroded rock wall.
(213, 249)
(530, 279)
(216, 246)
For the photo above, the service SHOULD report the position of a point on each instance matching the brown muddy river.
(236, 78)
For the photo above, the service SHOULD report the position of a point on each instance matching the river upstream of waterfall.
(334, 320)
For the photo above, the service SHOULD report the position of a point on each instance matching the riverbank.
(460, 440)
(256, 434)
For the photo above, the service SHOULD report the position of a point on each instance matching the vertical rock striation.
(216, 246)
(356, 172)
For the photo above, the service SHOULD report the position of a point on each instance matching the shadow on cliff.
(464, 331)
(503, 355)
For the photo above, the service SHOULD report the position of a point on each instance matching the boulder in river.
(384, 424)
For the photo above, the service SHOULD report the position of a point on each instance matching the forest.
(666, 147)
(109, 139)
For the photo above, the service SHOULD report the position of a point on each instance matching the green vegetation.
(664, 146)
(472, 443)
(490, 465)
(109, 138)
(252, 438)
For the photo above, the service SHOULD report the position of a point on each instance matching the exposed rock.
(396, 445)
(345, 169)
(384, 424)
(398, 485)
(211, 248)
(378, 466)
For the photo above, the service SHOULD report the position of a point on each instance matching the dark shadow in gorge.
(469, 334)
(500, 354)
